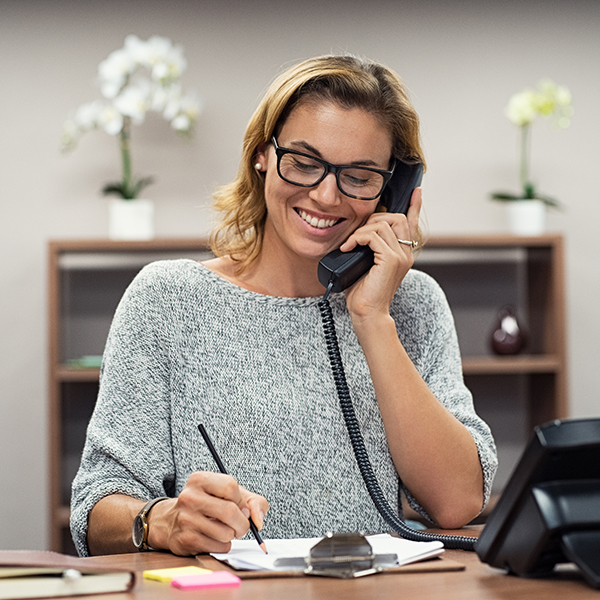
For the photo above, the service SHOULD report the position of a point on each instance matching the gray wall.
(460, 59)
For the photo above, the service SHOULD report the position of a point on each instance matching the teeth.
(318, 223)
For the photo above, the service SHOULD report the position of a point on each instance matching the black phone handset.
(337, 271)
(341, 269)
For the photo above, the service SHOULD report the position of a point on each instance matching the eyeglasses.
(297, 168)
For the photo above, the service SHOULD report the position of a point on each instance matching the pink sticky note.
(214, 579)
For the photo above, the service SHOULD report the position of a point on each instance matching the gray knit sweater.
(188, 347)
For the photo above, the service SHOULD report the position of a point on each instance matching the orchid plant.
(140, 77)
(549, 100)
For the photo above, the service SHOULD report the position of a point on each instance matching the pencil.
(221, 466)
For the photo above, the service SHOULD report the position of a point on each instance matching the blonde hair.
(348, 81)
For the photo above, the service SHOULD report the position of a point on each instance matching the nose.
(326, 192)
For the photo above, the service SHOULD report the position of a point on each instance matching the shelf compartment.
(86, 279)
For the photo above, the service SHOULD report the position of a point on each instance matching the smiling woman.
(291, 242)
(236, 343)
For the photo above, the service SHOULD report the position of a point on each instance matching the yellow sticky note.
(167, 574)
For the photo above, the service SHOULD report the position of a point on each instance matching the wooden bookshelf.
(479, 275)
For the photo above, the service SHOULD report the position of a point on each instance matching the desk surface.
(477, 582)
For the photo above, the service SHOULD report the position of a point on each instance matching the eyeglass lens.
(353, 181)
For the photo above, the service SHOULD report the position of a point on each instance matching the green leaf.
(116, 189)
(140, 185)
(126, 192)
(509, 197)
(548, 201)
(505, 196)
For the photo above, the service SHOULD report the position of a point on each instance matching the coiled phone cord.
(455, 542)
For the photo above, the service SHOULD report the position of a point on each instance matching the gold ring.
(412, 243)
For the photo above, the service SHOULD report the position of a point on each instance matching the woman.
(236, 343)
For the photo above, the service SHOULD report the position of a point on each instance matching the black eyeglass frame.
(281, 151)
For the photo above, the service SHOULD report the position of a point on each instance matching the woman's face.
(310, 222)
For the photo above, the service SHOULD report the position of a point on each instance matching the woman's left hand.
(373, 293)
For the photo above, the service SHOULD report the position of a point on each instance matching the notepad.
(167, 575)
(246, 555)
(213, 579)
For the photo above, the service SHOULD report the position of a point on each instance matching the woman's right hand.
(211, 510)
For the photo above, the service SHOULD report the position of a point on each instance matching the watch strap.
(143, 516)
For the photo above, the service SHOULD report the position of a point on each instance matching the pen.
(221, 466)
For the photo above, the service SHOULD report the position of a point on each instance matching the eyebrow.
(306, 146)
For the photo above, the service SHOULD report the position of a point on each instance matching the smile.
(318, 223)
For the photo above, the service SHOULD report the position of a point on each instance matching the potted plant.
(527, 209)
(140, 77)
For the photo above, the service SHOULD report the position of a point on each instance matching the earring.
(258, 166)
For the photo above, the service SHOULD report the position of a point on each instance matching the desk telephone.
(337, 271)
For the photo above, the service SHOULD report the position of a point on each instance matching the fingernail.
(246, 513)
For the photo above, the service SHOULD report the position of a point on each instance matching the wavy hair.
(348, 81)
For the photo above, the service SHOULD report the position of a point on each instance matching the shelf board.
(493, 241)
(77, 375)
(63, 516)
(472, 365)
(499, 365)
(99, 261)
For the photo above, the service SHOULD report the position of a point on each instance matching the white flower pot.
(130, 219)
(526, 217)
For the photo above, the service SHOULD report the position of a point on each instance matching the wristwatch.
(139, 532)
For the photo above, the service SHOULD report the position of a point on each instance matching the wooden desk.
(477, 582)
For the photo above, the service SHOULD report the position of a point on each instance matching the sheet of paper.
(246, 555)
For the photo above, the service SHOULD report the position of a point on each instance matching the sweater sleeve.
(432, 344)
(127, 449)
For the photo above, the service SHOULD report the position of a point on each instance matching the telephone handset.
(342, 269)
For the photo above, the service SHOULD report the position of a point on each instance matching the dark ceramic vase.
(508, 337)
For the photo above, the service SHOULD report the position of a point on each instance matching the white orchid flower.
(111, 120)
(554, 101)
(134, 102)
(183, 112)
(111, 88)
(165, 72)
(159, 99)
(137, 50)
(550, 100)
(563, 96)
(161, 95)
(521, 108)
(87, 115)
(181, 123)
(70, 135)
(114, 72)
(172, 106)
(158, 49)
(190, 105)
(160, 71)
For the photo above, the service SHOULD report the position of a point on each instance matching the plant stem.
(126, 157)
(525, 183)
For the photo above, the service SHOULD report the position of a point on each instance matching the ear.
(260, 156)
